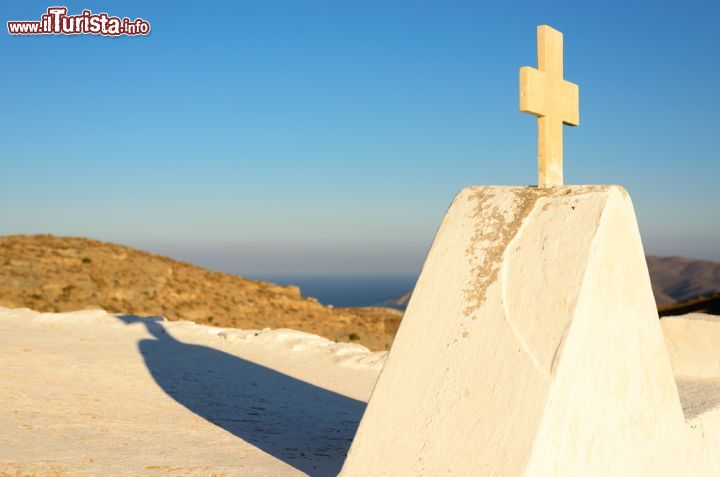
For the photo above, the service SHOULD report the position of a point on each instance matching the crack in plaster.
(496, 226)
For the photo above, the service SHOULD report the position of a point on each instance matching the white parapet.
(531, 347)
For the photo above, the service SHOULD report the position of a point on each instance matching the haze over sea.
(346, 290)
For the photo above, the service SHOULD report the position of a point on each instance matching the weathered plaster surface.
(531, 346)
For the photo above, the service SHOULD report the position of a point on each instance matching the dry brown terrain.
(48, 273)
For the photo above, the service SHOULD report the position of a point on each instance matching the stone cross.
(544, 93)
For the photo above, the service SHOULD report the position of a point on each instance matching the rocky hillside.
(48, 273)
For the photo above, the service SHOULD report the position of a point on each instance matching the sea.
(346, 290)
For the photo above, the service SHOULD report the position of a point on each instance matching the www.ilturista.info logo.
(57, 22)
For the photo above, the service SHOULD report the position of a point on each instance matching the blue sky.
(329, 137)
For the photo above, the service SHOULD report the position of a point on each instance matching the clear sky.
(330, 137)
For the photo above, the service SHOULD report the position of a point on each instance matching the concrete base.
(531, 346)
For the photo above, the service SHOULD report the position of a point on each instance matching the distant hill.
(54, 274)
(709, 304)
(399, 302)
(674, 280)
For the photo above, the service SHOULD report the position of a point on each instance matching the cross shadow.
(305, 426)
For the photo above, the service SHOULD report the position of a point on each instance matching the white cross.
(544, 93)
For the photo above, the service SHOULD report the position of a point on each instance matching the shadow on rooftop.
(305, 426)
